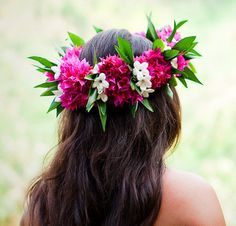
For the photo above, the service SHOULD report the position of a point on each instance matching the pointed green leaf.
(49, 92)
(91, 77)
(182, 80)
(176, 27)
(188, 74)
(195, 53)
(43, 70)
(91, 100)
(134, 108)
(173, 81)
(147, 104)
(158, 44)
(102, 114)
(75, 39)
(47, 84)
(97, 29)
(59, 110)
(132, 85)
(53, 105)
(124, 49)
(184, 44)
(170, 54)
(192, 67)
(169, 91)
(151, 33)
(45, 62)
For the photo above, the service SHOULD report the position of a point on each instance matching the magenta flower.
(72, 80)
(165, 33)
(50, 76)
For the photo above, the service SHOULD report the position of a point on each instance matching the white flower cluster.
(101, 84)
(144, 79)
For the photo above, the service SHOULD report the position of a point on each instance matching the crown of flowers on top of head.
(122, 78)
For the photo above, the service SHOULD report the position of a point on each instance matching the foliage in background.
(28, 133)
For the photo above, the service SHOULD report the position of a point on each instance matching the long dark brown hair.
(111, 178)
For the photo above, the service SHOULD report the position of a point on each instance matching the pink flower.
(50, 76)
(141, 33)
(179, 63)
(118, 76)
(158, 67)
(165, 33)
(72, 80)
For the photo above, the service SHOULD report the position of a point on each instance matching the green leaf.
(192, 46)
(188, 74)
(184, 44)
(45, 62)
(158, 44)
(43, 70)
(49, 92)
(189, 56)
(61, 50)
(132, 85)
(91, 100)
(170, 54)
(147, 104)
(151, 33)
(102, 114)
(173, 81)
(47, 84)
(97, 29)
(122, 54)
(182, 80)
(192, 67)
(169, 91)
(91, 77)
(75, 39)
(135, 87)
(53, 105)
(195, 53)
(124, 49)
(103, 107)
(134, 108)
(176, 27)
(59, 110)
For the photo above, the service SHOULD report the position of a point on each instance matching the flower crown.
(120, 78)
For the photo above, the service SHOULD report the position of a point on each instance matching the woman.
(118, 177)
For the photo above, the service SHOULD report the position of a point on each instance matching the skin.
(188, 200)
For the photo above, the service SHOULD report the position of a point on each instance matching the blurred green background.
(27, 133)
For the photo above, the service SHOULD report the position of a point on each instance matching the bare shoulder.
(188, 200)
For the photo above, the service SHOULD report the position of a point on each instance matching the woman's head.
(112, 177)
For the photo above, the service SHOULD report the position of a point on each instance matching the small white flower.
(146, 92)
(140, 69)
(103, 97)
(95, 69)
(100, 83)
(58, 94)
(57, 71)
(144, 84)
(174, 63)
